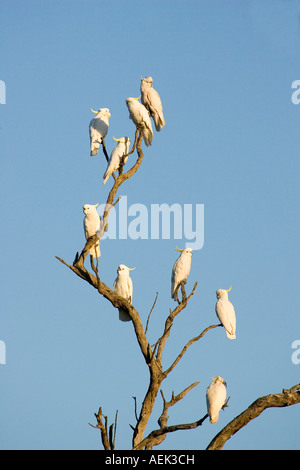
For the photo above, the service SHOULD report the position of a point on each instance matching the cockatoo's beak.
(228, 290)
(178, 249)
(96, 112)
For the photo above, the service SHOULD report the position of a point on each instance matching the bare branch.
(95, 268)
(108, 437)
(147, 324)
(155, 438)
(115, 203)
(286, 398)
(188, 345)
(135, 409)
(160, 432)
(103, 429)
(169, 323)
(163, 419)
(115, 431)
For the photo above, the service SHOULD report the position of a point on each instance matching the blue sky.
(224, 71)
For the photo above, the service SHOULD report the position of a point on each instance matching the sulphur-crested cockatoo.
(98, 129)
(91, 224)
(116, 156)
(215, 398)
(181, 270)
(151, 100)
(225, 312)
(140, 116)
(123, 286)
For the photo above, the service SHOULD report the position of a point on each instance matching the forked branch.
(188, 345)
(108, 436)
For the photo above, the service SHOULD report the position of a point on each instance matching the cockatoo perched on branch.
(124, 287)
(225, 312)
(140, 116)
(181, 270)
(116, 156)
(98, 129)
(92, 223)
(151, 100)
(215, 398)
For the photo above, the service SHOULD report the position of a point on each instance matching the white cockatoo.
(225, 312)
(116, 156)
(92, 223)
(124, 287)
(98, 129)
(181, 270)
(215, 398)
(140, 116)
(151, 100)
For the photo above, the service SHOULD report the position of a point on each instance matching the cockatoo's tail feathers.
(123, 315)
(230, 335)
(214, 419)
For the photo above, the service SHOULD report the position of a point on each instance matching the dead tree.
(153, 354)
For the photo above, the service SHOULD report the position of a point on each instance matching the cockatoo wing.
(98, 130)
(115, 160)
(91, 224)
(113, 163)
(151, 100)
(94, 139)
(139, 115)
(215, 399)
(226, 314)
(177, 277)
(121, 288)
(130, 289)
(146, 125)
(180, 272)
(123, 315)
